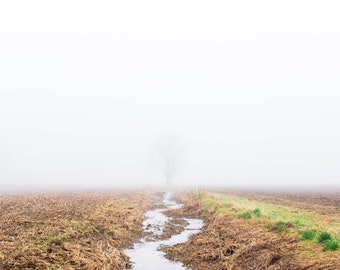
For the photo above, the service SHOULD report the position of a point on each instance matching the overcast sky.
(252, 88)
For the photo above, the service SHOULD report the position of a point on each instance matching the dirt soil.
(235, 244)
(70, 230)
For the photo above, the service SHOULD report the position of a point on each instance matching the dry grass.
(264, 241)
(70, 231)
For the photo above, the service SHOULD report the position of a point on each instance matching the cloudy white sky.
(252, 88)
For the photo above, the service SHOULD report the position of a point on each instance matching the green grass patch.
(324, 236)
(298, 222)
(245, 215)
(331, 244)
(272, 212)
(308, 234)
(257, 212)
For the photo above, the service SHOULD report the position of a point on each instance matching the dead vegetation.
(90, 231)
(172, 227)
(230, 242)
(70, 231)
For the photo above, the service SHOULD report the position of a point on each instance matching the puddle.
(144, 255)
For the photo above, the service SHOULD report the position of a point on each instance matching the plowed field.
(243, 230)
(70, 230)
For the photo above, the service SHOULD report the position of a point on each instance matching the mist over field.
(252, 102)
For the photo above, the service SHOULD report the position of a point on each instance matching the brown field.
(231, 242)
(90, 230)
(70, 230)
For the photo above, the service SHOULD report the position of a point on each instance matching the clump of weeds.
(308, 234)
(281, 226)
(324, 236)
(331, 244)
(257, 212)
(245, 215)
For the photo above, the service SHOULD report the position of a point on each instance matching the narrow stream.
(144, 255)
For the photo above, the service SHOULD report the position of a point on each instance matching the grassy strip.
(283, 219)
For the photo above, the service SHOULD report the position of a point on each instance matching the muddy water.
(145, 254)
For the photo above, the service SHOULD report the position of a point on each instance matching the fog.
(252, 90)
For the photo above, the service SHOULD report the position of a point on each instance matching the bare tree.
(168, 156)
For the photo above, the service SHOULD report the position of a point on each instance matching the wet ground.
(92, 230)
(147, 253)
(227, 242)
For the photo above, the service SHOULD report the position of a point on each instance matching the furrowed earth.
(243, 230)
(71, 230)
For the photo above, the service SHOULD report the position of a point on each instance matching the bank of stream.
(146, 253)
